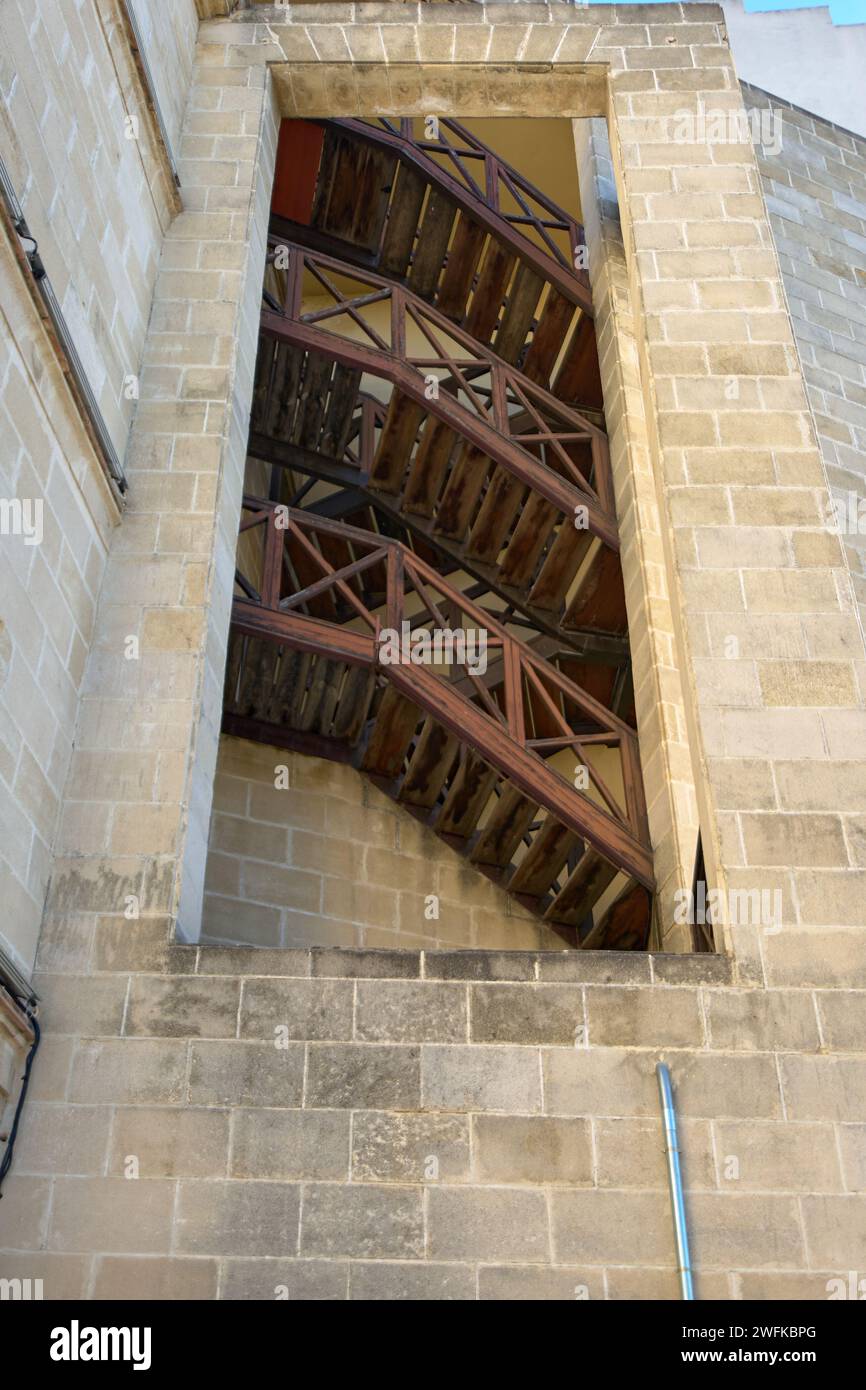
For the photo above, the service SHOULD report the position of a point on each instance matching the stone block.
(170, 1142)
(485, 1223)
(362, 1222)
(534, 1013)
(410, 1011)
(306, 1009)
(237, 1218)
(290, 1144)
(246, 1073)
(362, 1076)
(480, 1078)
(409, 1148)
(532, 1149)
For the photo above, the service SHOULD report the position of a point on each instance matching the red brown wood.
(571, 283)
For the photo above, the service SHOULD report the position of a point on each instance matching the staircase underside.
(427, 425)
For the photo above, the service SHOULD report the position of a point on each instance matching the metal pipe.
(675, 1180)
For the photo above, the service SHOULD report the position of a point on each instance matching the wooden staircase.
(492, 470)
(472, 759)
(427, 409)
(431, 214)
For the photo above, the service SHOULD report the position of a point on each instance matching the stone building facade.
(335, 1118)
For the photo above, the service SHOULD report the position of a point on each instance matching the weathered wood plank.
(311, 402)
(262, 384)
(293, 669)
(578, 380)
(428, 467)
(470, 790)
(561, 564)
(396, 721)
(582, 889)
(548, 338)
(506, 826)
(599, 603)
(530, 536)
(496, 271)
(283, 399)
(433, 237)
(375, 177)
(325, 181)
(341, 406)
(625, 926)
(495, 516)
(429, 767)
(519, 313)
(395, 443)
(463, 256)
(460, 498)
(544, 859)
(403, 215)
(355, 701)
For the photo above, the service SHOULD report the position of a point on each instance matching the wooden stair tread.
(459, 499)
(402, 223)
(396, 721)
(600, 600)
(463, 256)
(467, 796)
(518, 314)
(495, 517)
(528, 540)
(560, 566)
(582, 889)
(548, 338)
(428, 467)
(578, 380)
(506, 826)
(432, 243)
(429, 766)
(544, 860)
(396, 441)
(497, 268)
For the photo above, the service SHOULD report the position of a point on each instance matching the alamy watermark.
(738, 907)
(20, 1290)
(709, 125)
(846, 515)
(22, 516)
(439, 646)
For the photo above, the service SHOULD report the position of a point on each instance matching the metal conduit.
(675, 1181)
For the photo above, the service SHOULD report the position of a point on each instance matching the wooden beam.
(560, 493)
(527, 251)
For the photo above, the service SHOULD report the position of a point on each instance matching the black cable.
(6, 1161)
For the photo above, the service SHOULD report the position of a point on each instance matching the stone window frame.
(575, 92)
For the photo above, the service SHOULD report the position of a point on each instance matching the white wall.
(802, 56)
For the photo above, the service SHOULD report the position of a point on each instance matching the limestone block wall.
(262, 1123)
(88, 168)
(98, 205)
(814, 178)
(324, 858)
(217, 1123)
(169, 33)
(48, 594)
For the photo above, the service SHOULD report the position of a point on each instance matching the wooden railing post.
(273, 561)
(514, 691)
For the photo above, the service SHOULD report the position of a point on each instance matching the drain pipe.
(675, 1180)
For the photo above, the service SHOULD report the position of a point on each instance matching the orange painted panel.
(299, 150)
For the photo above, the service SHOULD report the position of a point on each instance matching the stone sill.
(596, 967)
